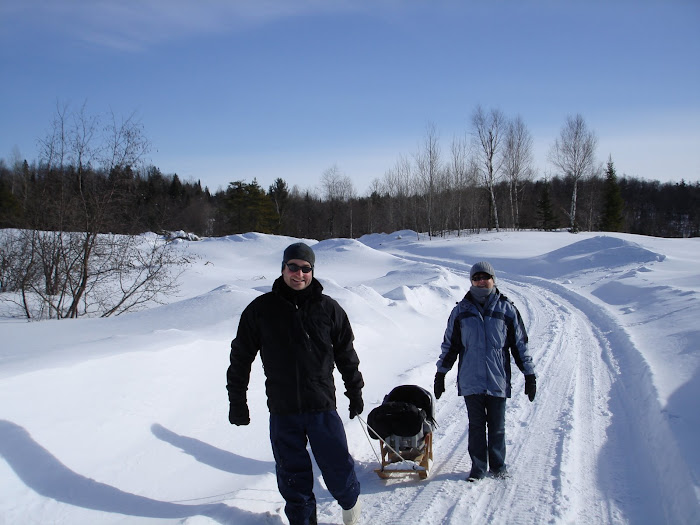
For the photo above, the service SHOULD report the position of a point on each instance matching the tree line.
(485, 181)
(154, 202)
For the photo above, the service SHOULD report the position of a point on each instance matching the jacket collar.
(312, 291)
(471, 302)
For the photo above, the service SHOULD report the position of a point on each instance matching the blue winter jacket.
(483, 344)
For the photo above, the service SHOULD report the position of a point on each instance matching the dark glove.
(439, 387)
(238, 413)
(356, 403)
(530, 386)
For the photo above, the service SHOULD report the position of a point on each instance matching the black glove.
(530, 386)
(439, 387)
(238, 413)
(356, 403)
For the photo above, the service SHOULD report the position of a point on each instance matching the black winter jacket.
(300, 336)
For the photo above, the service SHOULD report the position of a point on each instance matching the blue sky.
(234, 90)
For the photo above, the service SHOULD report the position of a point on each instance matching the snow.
(124, 420)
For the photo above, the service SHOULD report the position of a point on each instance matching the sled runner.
(403, 424)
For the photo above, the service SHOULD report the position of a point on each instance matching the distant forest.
(90, 177)
(130, 202)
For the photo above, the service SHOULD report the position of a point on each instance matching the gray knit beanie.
(300, 251)
(482, 267)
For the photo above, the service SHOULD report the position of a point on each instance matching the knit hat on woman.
(482, 267)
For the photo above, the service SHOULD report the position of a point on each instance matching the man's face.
(482, 280)
(295, 277)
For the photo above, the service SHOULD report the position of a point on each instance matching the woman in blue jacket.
(482, 330)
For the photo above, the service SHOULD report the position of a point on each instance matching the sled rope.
(360, 421)
(217, 498)
(380, 439)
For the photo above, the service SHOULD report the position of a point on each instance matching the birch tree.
(573, 153)
(517, 164)
(489, 129)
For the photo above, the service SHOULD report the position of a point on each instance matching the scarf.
(481, 295)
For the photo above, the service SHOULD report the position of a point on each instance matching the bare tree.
(517, 163)
(125, 142)
(70, 265)
(88, 151)
(462, 173)
(374, 193)
(337, 189)
(52, 148)
(573, 153)
(41, 271)
(400, 185)
(428, 166)
(389, 186)
(593, 197)
(141, 269)
(17, 267)
(335, 185)
(489, 130)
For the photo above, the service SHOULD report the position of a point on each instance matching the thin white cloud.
(135, 24)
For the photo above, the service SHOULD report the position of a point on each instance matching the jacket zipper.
(296, 365)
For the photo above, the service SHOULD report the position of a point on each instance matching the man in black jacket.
(301, 335)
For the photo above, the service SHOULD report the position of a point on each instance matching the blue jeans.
(486, 411)
(324, 431)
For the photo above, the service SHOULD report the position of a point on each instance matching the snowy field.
(124, 420)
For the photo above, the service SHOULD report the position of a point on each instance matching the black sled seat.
(404, 424)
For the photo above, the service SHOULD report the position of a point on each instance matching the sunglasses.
(294, 268)
(481, 277)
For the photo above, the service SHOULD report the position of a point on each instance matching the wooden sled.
(404, 424)
(412, 461)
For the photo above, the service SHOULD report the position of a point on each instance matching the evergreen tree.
(175, 190)
(545, 214)
(611, 218)
(247, 208)
(9, 206)
(279, 195)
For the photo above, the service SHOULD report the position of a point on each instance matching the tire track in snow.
(624, 445)
(564, 428)
(541, 437)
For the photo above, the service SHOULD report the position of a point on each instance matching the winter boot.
(501, 473)
(352, 516)
(475, 475)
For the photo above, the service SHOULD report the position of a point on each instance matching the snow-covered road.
(123, 421)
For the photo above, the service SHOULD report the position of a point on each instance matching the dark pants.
(486, 411)
(295, 479)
